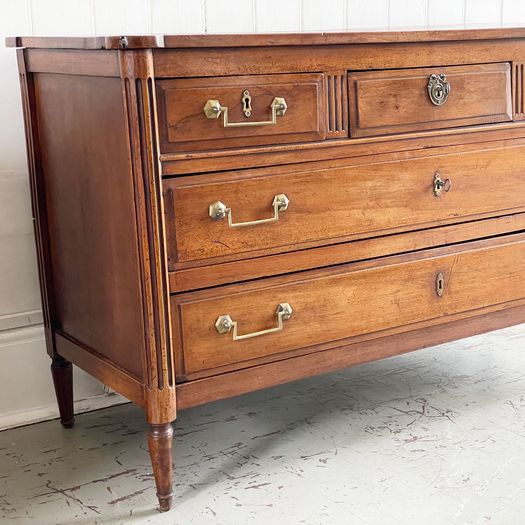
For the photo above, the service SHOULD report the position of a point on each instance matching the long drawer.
(233, 324)
(243, 214)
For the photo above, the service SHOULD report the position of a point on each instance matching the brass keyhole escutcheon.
(441, 185)
(440, 284)
(246, 103)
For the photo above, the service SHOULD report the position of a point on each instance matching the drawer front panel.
(216, 113)
(398, 101)
(330, 306)
(339, 203)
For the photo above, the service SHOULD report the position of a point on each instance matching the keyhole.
(440, 284)
(247, 104)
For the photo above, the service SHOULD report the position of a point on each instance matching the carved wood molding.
(337, 104)
(518, 90)
(38, 205)
(139, 99)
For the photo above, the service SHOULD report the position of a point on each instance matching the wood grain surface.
(337, 203)
(336, 304)
(124, 166)
(386, 102)
(290, 39)
(184, 126)
(89, 197)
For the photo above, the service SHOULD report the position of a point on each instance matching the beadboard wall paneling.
(446, 13)
(19, 296)
(278, 15)
(481, 13)
(233, 16)
(12, 146)
(177, 16)
(18, 278)
(333, 16)
(513, 13)
(408, 14)
(52, 17)
(368, 14)
(18, 274)
(121, 16)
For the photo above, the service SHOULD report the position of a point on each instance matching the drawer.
(227, 112)
(335, 204)
(333, 305)
(398, 101)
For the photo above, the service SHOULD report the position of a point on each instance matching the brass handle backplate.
(225, 324)
(438, 89)
(213, 110)
(441, 185)
(219, 210)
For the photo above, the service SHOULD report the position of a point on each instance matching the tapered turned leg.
(62, 372)
(160, 439)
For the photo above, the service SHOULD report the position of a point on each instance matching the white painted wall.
(25, 385)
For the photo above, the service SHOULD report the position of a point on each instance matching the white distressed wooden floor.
(432, 437)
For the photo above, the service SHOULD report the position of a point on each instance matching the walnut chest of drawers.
(219, 214)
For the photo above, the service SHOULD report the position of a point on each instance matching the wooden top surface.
(277, 39)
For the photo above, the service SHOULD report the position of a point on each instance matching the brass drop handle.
(438, 89)
(441, 185)
(219, 210)
(213, 110)
(225, 324)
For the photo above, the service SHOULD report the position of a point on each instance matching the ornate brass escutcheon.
(438, 89)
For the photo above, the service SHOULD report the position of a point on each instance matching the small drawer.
(245, 214)
(323, 308)
(228, 112)
(398, 101)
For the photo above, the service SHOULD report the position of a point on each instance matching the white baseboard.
(27, 394)
(20, 320)
(21, 336)
(46, 412)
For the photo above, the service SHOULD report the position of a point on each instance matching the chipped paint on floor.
(433, 437)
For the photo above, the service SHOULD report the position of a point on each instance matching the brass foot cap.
(165, 502)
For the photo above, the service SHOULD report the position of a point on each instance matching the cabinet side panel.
(91, 215)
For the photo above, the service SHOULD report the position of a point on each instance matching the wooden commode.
(219, 214)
